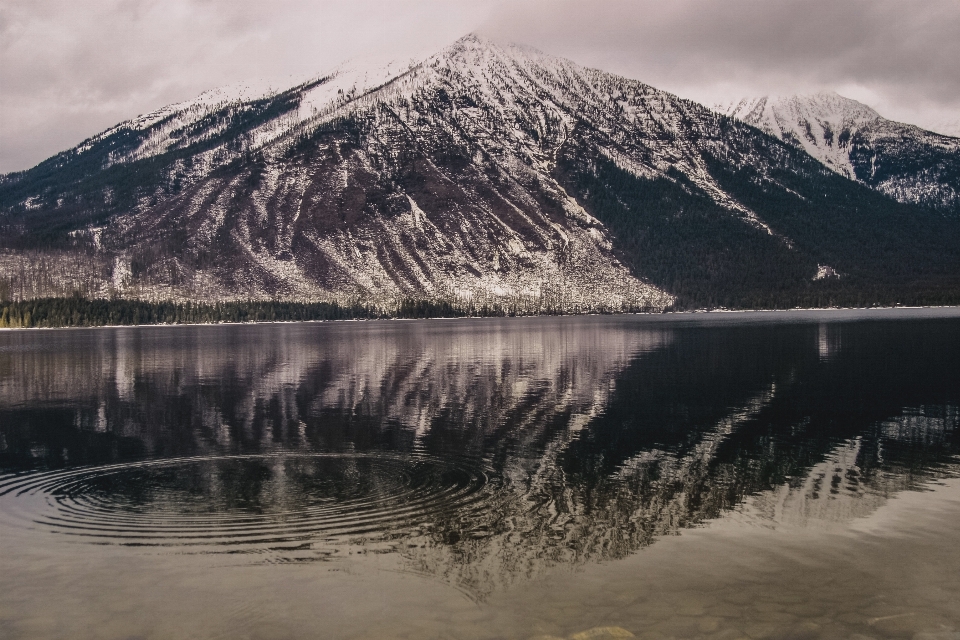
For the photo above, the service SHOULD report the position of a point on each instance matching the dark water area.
(765, 475)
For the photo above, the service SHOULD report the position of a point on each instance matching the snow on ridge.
(351, 80)
(829, 127)
(820, 123)
(523, 84)
(357, 83)
(184, 113)
(319, 95)
(825, 106)
(945, 127)
(567, 90)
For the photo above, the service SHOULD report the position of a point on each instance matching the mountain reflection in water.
(481, 451)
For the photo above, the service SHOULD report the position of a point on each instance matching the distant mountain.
(488, 175)
(946, 127)
(900, 160)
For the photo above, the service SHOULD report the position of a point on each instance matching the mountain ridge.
(901, 160)
(486, 174)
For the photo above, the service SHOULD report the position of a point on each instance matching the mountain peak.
(771, 111)
(855, 141)
(487, 175)
(482, 40)
(821, 124)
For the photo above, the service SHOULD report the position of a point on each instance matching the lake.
(722, 475)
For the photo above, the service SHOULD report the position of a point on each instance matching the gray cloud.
(70, 68)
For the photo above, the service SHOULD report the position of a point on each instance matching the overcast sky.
(72, 68)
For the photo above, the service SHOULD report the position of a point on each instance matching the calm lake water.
(769, 475)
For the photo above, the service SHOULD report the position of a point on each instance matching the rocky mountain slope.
(487, 175)
(900, 160)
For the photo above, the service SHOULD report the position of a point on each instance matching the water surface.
(705, 475)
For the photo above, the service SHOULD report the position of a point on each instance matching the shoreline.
(853, 313)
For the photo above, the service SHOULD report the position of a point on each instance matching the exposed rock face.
(899, 160)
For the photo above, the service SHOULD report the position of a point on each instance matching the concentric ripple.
(245, 501)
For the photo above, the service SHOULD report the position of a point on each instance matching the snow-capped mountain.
(487, 174)
(900, 160)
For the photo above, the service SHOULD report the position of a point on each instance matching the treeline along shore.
(83, 312)
(78, 311)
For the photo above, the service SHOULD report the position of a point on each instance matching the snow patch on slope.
(902, 161)
(821, 124)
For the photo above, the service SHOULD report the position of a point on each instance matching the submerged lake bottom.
(737, 475)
